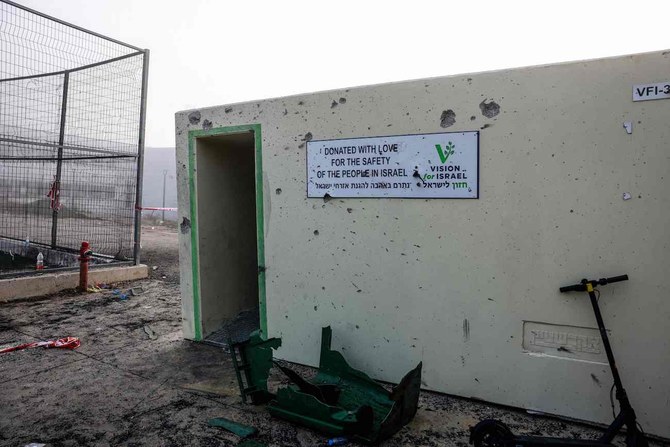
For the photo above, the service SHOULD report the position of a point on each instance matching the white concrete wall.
(451, 282)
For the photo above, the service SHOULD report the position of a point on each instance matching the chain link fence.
(72, 111)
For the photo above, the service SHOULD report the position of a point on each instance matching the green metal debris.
(240, 430)
(251, 443)
(339, 401)
(253, 366)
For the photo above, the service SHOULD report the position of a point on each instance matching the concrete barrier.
(31, 286)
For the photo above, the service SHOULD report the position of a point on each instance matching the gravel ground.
(135, 382)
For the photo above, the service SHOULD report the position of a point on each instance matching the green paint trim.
(197, 321)
(260, 231)
(260, 228)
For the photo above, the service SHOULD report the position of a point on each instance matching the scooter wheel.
(490, 433)
(636, 440)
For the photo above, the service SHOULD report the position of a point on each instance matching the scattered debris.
(63, 343)
(134, 291)
(150, 332)
(241, 430)
(122, 296)
(339, 401)
(627, 196)
(338, 441)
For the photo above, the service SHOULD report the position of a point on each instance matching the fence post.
(140, 158)
(59, 161)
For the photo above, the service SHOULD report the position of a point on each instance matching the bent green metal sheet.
(255, 363)
(340, 400)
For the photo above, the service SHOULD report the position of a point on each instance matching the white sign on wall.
(646, 92)
(439, 165)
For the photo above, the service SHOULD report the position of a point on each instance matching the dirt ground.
(135, 382)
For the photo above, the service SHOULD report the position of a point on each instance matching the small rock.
(150, 332)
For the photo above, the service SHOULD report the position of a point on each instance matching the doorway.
(229, 274)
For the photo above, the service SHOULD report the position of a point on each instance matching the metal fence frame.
(144, 53)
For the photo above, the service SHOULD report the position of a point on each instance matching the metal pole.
(59, 161)
(140, 157)
(606, 341)
(164, 176)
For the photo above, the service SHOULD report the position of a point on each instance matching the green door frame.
(193, 135)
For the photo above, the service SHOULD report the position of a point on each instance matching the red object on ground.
(84, 257)
(63, 343)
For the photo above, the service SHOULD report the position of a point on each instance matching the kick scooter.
(493, 433)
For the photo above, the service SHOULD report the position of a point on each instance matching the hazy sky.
(209, 52)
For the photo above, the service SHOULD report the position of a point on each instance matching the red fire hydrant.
(84, 258)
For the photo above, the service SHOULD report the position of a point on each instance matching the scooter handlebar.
(573, 288)
(581, 287)
(614, 279)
